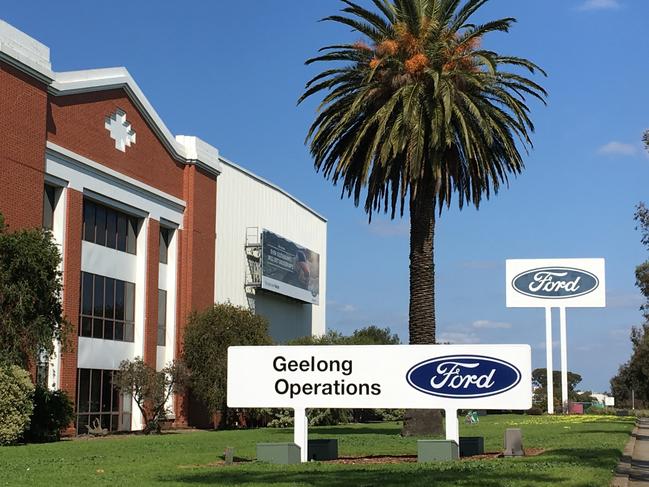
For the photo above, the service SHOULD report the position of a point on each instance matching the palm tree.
(418, 111)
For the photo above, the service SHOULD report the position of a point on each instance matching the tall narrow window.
(49, 202)
(165, 238)
(162, 318)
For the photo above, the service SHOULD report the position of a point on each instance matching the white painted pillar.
(548, 358)
(452, 426)
(564, 359)
(301, 432)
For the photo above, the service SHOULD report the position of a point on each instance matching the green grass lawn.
(581, 451)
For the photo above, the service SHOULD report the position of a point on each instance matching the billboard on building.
(289, 269)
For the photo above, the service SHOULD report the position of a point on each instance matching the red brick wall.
(23, 114)
(72, 289)
(76, 122)
(151, 289)
(196, 255)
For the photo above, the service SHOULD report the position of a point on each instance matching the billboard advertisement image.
(289, 269)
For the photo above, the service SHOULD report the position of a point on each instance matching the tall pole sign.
(558, 283)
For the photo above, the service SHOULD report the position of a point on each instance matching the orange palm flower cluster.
(460, 55)
(416, 64)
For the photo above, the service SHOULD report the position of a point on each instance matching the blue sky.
(231, 72)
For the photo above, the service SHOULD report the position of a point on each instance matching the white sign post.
(449, 377)
(562, 283)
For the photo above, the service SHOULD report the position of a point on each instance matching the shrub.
(53, 411)
(16, 392)
(207, 338)
(31, 313)
(535, 411)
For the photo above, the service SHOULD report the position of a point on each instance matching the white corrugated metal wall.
(246, 201)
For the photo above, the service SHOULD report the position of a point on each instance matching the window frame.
(118, 324)
(123, 237)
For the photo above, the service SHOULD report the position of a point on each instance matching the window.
(98, 398)
(107, 308)
(49, 203)
(162, 318)
(108, 227)
(165, 239)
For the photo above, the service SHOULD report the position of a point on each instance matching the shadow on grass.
(356, 476)
(339, 431)
(616, 431)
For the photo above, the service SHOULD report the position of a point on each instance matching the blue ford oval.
(555, 282)
(463, 376)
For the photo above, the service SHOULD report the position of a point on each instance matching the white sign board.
(560, 283)
(381, 376)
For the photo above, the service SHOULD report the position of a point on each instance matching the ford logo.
(463, 376)
(555, 282)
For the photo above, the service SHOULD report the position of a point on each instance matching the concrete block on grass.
(513, 443)
(471, 445)
(323, 449)
(278, 453)
(437, 451)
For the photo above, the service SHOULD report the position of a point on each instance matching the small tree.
(369, 335)
(540, 376)
(151, 389)
(31, 314)
(634, 374)
(207, 338)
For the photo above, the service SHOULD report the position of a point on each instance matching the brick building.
(151, 226)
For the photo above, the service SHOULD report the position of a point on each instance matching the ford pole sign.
(463, 376)
(556, 282)
(381, 376)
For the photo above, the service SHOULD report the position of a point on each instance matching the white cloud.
(341, 307)
(491, 324)
(458, 337)
(615, 148)
(600, 5)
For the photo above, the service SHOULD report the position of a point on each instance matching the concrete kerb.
(633, 469)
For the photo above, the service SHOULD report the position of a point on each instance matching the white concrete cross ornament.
(120, 130)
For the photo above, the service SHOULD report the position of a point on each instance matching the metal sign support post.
(564, 360)
(452, 426)
(301, 432)
(548, 358)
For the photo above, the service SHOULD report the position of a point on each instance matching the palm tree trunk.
(421, 325)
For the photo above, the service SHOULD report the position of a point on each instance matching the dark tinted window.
(107, 308)
(108, 227)
(49, 202)
(162, 317)
(98, 399)
(165, 238)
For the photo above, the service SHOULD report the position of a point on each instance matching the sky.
(231, 73)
